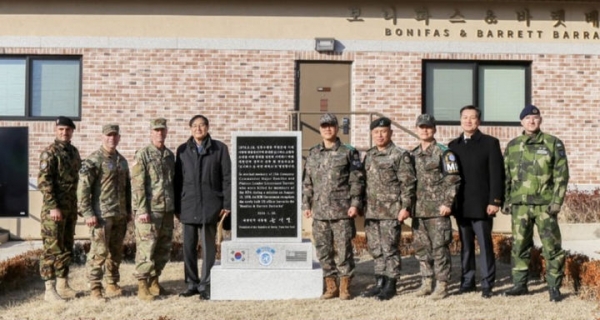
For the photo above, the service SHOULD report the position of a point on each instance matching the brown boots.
(155, 288)
(96, 291)
(64, 290)
(51, 295)
(143, 290)
(332, 291)
(331, 288)
(113, 290)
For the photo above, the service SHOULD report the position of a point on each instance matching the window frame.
(475, 67)
(27, 107)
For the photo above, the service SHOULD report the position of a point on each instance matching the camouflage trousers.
(382, 240)
(432, 237)
(106, 251)
(57, 237)
(153, 245)
(523, 219)
(333, 243)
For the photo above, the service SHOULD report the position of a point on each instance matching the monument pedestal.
(266, 284)
(266, 271)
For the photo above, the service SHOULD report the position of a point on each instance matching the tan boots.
(441, 290)
(345, 288)
(331, 288)
(155, 288)
(113, 290)
(426, 287)
(96, 291)
(64, 290)
(143, 291)
(51, 295)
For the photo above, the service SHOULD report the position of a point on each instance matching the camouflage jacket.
(536, 168)
(104, 188)
(438, 179)
(152, 181)
(391, 182)
(58, 176)
(333, 181)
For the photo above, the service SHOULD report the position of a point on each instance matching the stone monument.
(267, 258)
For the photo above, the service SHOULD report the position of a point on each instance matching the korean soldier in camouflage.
(438, 181)
(390, 192)
(104, 200)
(153, 203)
(57, 180)
(333, 183)
(537, 174)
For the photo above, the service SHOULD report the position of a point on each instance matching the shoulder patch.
(449, 164)
(43, 165)
(349, 146)
(45, 155)
(406, 158)
(355, 162)
(441, 146)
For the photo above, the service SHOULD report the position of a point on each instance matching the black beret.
(381, 122)
(64, 121)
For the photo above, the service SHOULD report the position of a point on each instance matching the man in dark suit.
(481, 166)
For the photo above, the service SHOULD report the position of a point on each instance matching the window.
(500, 89)
(40, 87)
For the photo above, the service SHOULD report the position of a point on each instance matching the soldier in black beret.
(64, 121)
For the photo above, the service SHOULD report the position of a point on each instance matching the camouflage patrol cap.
(328, 118)
(64, 121)
(425, 120)
(159, 123)
(381, 122)
(110, 128)
(529, 110)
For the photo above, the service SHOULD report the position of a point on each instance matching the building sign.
(506, 23)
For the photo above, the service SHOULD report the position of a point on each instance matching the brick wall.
(253, 90)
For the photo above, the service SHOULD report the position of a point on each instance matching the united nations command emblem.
(265, 255)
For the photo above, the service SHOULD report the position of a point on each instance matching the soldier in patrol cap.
(333, 184)
(390, 192)
(57, 180)
(104, 200)
(152, 177)
(438, 181)
(537, 174)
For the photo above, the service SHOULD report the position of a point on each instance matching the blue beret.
(530, 109)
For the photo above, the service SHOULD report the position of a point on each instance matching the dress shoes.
(205, 294)
(486, 293)
(189, 293)
(555, 295)
(517, 290)
(463, 290)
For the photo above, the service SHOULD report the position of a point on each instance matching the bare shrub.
(581, 206)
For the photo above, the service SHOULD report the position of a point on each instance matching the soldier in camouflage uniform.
(537, 174)
(153, 203)
(57, 180)
(104, 200)
(390, 192)
(332, 188)
(438, 181)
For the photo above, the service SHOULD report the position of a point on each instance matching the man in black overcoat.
(480, 197)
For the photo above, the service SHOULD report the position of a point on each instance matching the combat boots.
(331, 288)
(51, 295)
(64, 290)
(425, 288)
(345, 288)
(389, 290)
(96, 292)
(441, 290)
(376, 289)
(155, 288)
(113, 290)
(143, 292)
